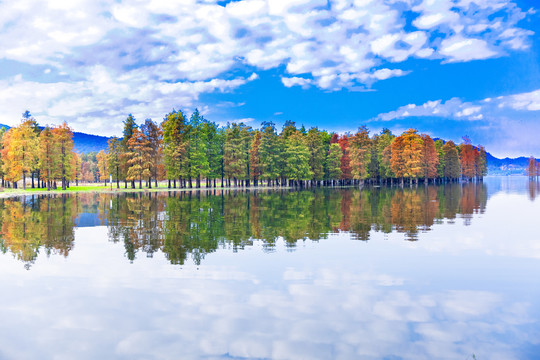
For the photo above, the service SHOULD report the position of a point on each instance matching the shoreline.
(29, 192)
(9, 193)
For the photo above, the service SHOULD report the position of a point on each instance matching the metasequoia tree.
(175, 146)
(406, 158)
(269, 152)
(114, 151)
(102, 166)
(315, 146)
(48, 156)
(64, 145)
(255, 158)
(451, 161)
(333, 162)
(297, 154)
(430, 158)
(346, 171)
(531, 167)
(154, 136)
(360, 154)
(20, 151)
(139, 157)
(199, 166)
(129, 128)
(467, 159)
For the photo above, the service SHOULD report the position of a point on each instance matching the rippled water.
(379, 273)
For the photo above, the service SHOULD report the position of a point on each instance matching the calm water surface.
(438, 272)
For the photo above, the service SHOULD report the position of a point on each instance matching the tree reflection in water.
(194, 224)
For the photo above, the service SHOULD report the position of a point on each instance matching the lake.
(429, 272)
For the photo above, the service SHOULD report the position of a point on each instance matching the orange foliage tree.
(102, 166)
(467, 159)
(360, 154)
(532, 167)
(430, 158)
(139, 157)
(346, 171)
(48, 156)
(406, 160)
(64, 145)
(20, 151)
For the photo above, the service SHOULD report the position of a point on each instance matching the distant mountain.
(507, 166)
(85, 143)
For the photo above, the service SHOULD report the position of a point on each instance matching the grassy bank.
(5, 192)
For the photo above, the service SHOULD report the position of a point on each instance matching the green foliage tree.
(384, 154)
(114, 151)
(48, 156)
(297, 157)
(199, 166)
(269, 152)
(360, 154)
(333, 162)
(255, 158)
(235, 157)
(154, 136)
(175, 146)
(129, 128)
(451, 161)
(314, 142)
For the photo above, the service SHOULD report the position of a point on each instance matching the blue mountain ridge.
(86, 143)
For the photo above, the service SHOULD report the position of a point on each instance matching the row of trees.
(45, 154)
(196, 150)
(193, 224)
(188, 152)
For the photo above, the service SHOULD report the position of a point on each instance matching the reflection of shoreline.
(497, 183)
(19, 193)
(507, 184)
(195, 223)
(22, 193)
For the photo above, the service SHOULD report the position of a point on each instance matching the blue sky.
(446, 67)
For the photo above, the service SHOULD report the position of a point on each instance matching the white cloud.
(90, 105)
(458, 48)
(383, 74)
(510, 123)
(526, 101)
(457, 109)
(296, 81)
(150, 47)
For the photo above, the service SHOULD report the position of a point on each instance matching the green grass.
(72, 188)
(86, 188)
(163, 186)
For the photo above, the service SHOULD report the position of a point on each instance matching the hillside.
(507, 166)
(85, 143)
